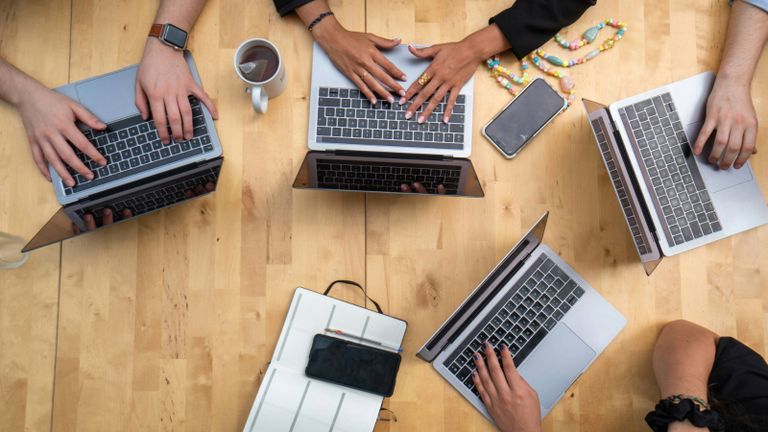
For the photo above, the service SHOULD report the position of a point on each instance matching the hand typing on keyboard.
(419, 188)
(509, 399)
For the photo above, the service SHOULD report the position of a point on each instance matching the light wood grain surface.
(168, 322)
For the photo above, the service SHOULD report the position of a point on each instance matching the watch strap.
(156, 30)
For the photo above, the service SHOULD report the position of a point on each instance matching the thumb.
(426, 52)
(383, 43)
(87, 117)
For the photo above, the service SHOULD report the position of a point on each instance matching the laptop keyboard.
(155, 198)
(530, 310)
(630, 212)
(346, 116)
(682, 202)
(132, 145)
(385, 177)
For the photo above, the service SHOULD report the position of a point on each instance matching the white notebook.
(288, 400)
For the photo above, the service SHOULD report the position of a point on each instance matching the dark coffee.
(259, 63)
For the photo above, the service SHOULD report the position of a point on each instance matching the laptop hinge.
(389, 155)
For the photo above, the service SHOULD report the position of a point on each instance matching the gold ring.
(424, 79)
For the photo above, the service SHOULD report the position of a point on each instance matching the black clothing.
(738, 385)
(526, 25)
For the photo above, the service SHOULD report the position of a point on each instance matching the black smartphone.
(523, 118)
(353, 365)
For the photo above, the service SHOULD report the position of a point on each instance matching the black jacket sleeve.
(284, 7)
(528, 24)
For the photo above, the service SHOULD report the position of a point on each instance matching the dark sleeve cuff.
(284, 7)
(528, 24)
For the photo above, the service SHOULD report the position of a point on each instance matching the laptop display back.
(129, 202)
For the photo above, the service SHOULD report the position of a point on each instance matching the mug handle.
(259, 99)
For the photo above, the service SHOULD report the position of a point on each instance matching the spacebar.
(532, 343)
(155, 164)
(390, 143)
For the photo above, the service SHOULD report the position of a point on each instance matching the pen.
(362, 339)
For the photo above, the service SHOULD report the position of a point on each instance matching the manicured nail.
(373, 101)
(89, 176)
(103, 162)
(402, 100)
(402, 93)
(403, 77)
(445, 119)
(737, 166)
(421, 119)
(487, 344)
(390, 99)
(408, 115)
(70, 183)
(477, 356)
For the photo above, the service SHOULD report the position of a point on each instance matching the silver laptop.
(357, 146)
(142, 174)
(672, 200)
(554, 323)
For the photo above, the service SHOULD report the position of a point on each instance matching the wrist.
(156, 46)
(734, 76)
(486, 43)
(26, 90)
(327, 29)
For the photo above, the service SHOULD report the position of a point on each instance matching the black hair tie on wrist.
(669, 410)
(317, 20)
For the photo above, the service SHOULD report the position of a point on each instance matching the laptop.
(672, 200)
(142, 174)
(554, 323)
(357, 146)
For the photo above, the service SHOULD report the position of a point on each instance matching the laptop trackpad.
(715, 178)
(558, 361)
(111, 97)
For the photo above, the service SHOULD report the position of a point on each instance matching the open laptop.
(554, 323)
(139, 166)
(672, 200)
(358, 146)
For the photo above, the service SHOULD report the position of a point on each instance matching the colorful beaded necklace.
(509, 80)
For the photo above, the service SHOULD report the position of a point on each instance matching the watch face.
(175, 36)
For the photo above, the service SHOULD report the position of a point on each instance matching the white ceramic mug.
(270, 87)
(10, 251)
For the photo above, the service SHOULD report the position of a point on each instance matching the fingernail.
(107, 211)
(89, 176)
(103, 162)
(70, 183)
(402, 99)
(477, 356)
(390, 99)
(403, 77)
(487, 344)
(408, 115)
(421, 119)
(373, 101)
(737, 166)
(445, 119)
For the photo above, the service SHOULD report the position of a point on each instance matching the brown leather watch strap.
(156, 30)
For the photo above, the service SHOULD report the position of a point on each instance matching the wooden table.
(168, 322)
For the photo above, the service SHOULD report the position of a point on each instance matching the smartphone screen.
(353, 365)
(530, 111)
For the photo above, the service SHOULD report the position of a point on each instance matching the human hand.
(49, 118)
(731, 114)
(453, 64)
(163, 86)
(107, 218)
(419, 188)
(358, 57)
(685, 426)
(511, 402)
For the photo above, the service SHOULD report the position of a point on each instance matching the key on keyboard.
(132, 146)
(521, 320)
(385, 177)
(682, 202)
(347, 116)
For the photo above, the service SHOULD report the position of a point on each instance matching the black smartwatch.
(170, 35)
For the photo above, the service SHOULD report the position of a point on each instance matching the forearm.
(487, 42)
(14, 84)
(181, 13)
(747, 34)
(683, 358)
(325, 28)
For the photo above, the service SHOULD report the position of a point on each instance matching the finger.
(451, 103)
(426, 52)
(433, 102)
(747, 148)
(482, 372)
(510, 370)
(419, 187)
(126, 213)
(161, 121)
(405, 188)
(174, 119)
(107, 217)
(186, 116)
(363, 87)
(441, 189)
(188, 193)
(58, 166)
(384, 76)
(481, 389)
(76, 137)
(75, 229)
(391, 70)
(383, 43)
(203, 97)
(141, 102)
(210, 187)
(494, 370)
(37, 156)
(90, 222)
(65, 152)
(704, 133)
(87, 117)
(733, 148)
(721, 141)
(199, 190)
(373, 83)
(424, 94)
(415, 87)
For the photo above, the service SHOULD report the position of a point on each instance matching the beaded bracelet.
(317, 20)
